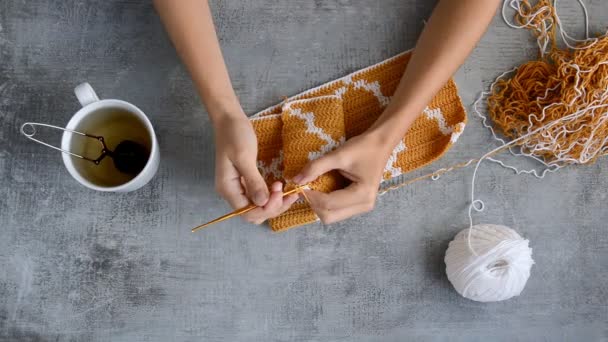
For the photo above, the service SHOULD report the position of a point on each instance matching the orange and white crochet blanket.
(310, 124)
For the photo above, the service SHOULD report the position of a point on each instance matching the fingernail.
(297, 179)
(259, 198)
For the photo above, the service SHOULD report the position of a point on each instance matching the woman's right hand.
(237, 178)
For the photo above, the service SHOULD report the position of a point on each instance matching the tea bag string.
(30, 135)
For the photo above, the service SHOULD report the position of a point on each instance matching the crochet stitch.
(306, 126)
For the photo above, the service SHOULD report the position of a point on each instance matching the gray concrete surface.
(77, 265)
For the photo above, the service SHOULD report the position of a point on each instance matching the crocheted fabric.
(310, 124)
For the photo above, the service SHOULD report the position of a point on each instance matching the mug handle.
(85, 94)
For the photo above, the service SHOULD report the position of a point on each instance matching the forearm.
(190, 26)
(447, 39)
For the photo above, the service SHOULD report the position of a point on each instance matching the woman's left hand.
(361, 160)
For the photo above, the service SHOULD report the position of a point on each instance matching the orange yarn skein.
(561, 83)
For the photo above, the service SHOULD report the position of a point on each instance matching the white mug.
(114, 120)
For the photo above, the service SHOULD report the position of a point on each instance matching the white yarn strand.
(543, 38)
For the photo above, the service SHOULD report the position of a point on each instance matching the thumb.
(316, 168)
(254, 182)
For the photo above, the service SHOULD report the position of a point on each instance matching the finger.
(353, 195)
(317, 167)
(228, 184)
(276, 187)
(274, 203)
(260, 215)
(276, 199)
(287, 202)
(236, 198)
(254, 182)
(341, 204)
(333, 216)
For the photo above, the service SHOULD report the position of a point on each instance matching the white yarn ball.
(500, 269)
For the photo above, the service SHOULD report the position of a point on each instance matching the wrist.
(377, 138)
(224, 109)
(384, 136)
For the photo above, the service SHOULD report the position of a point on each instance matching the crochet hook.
(241, 211)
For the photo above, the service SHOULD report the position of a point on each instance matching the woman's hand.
(237, 178)
(361, 160)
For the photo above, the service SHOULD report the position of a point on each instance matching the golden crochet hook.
(298, 189)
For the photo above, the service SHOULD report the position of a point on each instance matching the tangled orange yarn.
(565, 85)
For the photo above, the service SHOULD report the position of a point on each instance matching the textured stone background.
(78, 265)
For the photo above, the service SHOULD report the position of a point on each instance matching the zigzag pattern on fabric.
(312, 123)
